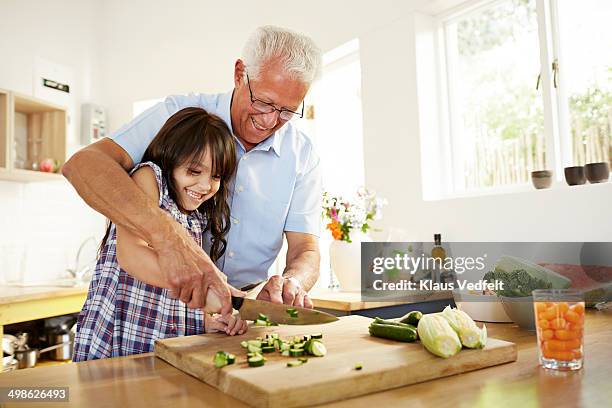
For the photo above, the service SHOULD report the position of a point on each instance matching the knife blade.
(250, 309)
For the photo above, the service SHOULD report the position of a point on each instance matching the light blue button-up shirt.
(277, 186)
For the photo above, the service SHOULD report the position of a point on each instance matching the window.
(585, 37)
(528, 86)
(334, 121)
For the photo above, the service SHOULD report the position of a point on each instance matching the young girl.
(187, 168)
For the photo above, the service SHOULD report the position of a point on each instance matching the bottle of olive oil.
(439, 254)
(447, 275)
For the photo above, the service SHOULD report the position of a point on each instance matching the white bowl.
(520, 309)
(482, 308)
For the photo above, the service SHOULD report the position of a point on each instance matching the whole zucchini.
(393, 332)
(394, 323)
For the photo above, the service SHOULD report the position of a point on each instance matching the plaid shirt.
(123, 315)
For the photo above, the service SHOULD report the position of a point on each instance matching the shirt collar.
(224, 104)
(272, 142)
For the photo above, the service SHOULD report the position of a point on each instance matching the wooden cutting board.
(386, 364)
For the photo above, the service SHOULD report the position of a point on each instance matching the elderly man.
(276, 190)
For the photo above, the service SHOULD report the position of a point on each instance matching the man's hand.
(189, 271)
(285, 290)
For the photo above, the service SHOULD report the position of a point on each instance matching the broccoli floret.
(517, 283)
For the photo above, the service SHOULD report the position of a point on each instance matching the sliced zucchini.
(294, 363)
(317, 348)
(253, 349)
(255, 361)
(317, 336)
(296, 352)
(220, 359)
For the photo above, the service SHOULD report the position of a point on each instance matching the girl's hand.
(230, 324)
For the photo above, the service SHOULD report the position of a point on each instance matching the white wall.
(152, 49)
(42, 224)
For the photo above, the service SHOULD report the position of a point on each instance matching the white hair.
(298, 53)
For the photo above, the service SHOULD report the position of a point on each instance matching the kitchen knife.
(250, 309)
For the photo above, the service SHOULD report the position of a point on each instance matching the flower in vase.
(347, 216)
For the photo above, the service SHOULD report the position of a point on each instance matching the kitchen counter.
(145, 381)
(22, 304)
(346, 303)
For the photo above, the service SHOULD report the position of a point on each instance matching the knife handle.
(213, 303)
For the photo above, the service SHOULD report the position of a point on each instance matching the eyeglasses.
(265, 107)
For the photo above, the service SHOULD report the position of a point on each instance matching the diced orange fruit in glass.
(575, 326)
(549, 314)
(564, 355)
(563, 345)
(558, 323)
(560, 329)
(572, 317)
(543, 324)
(578, 308)
(547, 334)
(562, 307)
(567, 334)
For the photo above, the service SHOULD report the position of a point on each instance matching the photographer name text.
(402, 285)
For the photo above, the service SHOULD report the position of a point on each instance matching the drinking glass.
(559, 316)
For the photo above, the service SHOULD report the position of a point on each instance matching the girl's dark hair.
(184, 138)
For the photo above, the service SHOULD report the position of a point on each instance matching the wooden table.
(22, 304)
(145, 381)
(348, 303)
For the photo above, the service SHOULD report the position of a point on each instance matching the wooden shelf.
(31, 130)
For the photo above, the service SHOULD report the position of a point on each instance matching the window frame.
(557, 131)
